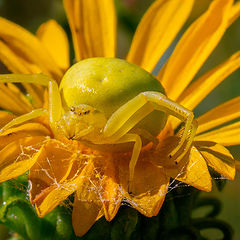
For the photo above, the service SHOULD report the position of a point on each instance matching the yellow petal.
(235, 13)
(5, 117)
(192, 169)
(77, 169)
(194, 47)
(226, 136)
(17, 64)
(219, 115)
(156, 31)
(218, 158)
(56, 194)
(13, 99)
(25, 130)
(195, 172)
(28, 47)
(54, 163)
(18, 157)
(197, 91)
(84, 214)
(55, 40)
(93, 26)
(111, 194)
(149, 187)
(14, 62)
(87, 204)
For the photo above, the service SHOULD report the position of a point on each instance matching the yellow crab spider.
(108, 104)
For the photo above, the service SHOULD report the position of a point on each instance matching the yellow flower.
(60, 167)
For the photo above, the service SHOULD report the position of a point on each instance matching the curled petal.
(218, 158)
(53, 166)
(195, 172)
(87, 203)
(99, 193)
(149, 187)
(19, 156)
(111, 194)
(85, 213)
(192, 169)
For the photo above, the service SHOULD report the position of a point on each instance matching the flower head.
(60, 167)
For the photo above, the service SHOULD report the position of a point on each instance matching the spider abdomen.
(108, 83)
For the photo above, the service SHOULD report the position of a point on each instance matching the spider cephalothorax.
(109, 102)
(81, 122)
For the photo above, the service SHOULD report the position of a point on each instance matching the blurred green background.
(31, 13)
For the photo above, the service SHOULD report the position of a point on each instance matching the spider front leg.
(132, 112)
(55, 104)
(162, 103)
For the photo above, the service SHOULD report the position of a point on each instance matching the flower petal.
(99, 190)
(149, 187)
(18, 157)
(219, 115)
(93, 26)
(13, 99)
(53, 37)
(195, 172)
(15, 63)
(194, 47)
(218, 158)
(235, 13)
(85, 213)
(87, 203)
(28, 47)
(157, 29)
(5, 117)
(54, 163)
(226, 136)
(192, 169)
(23, 131)
(197, 91)
(111, 194)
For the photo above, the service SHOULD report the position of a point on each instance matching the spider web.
(49, 171)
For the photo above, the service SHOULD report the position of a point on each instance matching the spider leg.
(23, 118)
(129, 137)
(162, 103)
(113, 132)
(55, 105)
(137, 108)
